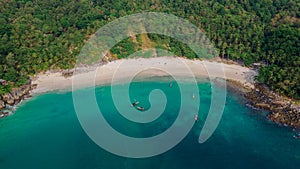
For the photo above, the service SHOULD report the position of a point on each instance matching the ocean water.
(45, 133)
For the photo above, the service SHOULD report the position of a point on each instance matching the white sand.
(126, 68)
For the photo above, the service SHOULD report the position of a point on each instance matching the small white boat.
(196, 117)
(135, 103)
(140, 108)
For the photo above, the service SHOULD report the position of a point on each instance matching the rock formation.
(282, 110)
(8, 100)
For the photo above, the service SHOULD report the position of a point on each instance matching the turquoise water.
(45, 133)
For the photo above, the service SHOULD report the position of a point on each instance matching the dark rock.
(281, 109)
(262, 105)
(17, 93)
(11, 101)
(4, 114)
(33, 86)
(2, 104)
(67, 73)
(3, 82)
(8, 98)
(27, 96)
(1, 115)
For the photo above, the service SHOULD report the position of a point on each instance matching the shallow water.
(45, 133)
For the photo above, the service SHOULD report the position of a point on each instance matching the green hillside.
(48, 34)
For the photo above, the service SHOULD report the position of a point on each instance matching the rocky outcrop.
(17, 93)
(2, 104)
(262, 105)
(4, 114)
(282, 110)
(8, 100)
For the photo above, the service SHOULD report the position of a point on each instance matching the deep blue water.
(45, 133)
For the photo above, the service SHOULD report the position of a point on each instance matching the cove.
(45, 133)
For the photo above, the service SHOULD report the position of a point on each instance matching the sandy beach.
(126, 69)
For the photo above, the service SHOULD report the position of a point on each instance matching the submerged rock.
(4, 113)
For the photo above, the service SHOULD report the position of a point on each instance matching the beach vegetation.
(41, 35)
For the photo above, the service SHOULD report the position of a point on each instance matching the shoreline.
(282, 111)
(123, 68)
(239, 79)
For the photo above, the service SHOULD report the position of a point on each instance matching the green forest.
(48, 34)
